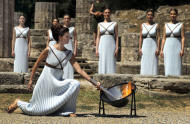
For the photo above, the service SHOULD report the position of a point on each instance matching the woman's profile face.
(173, 15)
(65, 38)
(22, 20)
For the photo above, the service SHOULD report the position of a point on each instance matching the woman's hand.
(116, 52)
(97, 53)
(98, 13)
(98, 85)
(30, 86)
(29, 53)
(75, 53)
(162, 54)
(13, 53)
(181, 53)
(157, 52)
(140, 51)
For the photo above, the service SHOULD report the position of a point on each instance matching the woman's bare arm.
(140, 41)
(29, 43)
(42, 57)
(117, 40)
(163, 41)
(13, 42)
(75, 42)
(182, 39)
(97, 41)
(91, 9)
(77, 67)
(158, 39)
(48, 40)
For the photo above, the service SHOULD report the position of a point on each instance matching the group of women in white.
(53, 93)
(172, 46)
(56, 91)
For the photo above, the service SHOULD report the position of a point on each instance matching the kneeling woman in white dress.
(107, 44)
(53, 95)
(50, 40)
(68, 72)
(173, 45)
(150, 41)
(21, 46)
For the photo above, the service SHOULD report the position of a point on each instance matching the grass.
(88, 100)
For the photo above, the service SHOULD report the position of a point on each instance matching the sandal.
(12, 107)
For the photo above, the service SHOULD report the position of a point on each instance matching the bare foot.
(13, 106)
(73, 115)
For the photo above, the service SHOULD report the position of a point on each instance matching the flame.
(126, 89)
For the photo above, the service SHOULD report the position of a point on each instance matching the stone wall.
(149, 84)
(45, 12)
(12, 82)
(85, 37)
(129, 21)
(6, 25)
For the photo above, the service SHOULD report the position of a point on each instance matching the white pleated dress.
(21, 50)
(53, 95)
(107, 60)
(52, 41)
(149, 61)
(172, 48)
(68, 72)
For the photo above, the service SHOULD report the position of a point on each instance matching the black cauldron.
(116, 91)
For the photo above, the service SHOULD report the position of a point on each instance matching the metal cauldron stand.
(132, 108)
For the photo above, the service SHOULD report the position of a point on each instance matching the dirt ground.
(149, 111)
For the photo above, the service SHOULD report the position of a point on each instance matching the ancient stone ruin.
(128, 65)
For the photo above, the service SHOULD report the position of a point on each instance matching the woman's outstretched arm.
(77, 67)
(75, 42)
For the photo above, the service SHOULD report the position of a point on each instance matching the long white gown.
(21, 50)
(68, 72)
(107, 61)
(52, 41)
(172, 48)
(149, 61)
(52, 94)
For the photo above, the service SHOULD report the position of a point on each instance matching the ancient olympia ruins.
(128, 64)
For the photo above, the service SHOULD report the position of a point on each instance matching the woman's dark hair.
(23, 16)
(150, 10)
(54, 19)
(107, 7)
(173, 9)
(58, 30)
(66, 15)
(95, 1)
